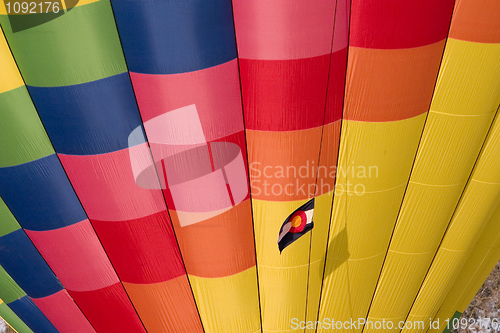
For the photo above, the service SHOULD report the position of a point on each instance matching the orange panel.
(286, 170)
(391, 85)
(328, 159)
(476, 21)
(219, 246)
(166, 306)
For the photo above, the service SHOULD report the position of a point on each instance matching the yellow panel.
(377, 156)
(229, 304)
(478, 267)
(478, 202)
(336, 289)
(418, 230)
(449, 147)
(391, 300)
(464, 104)
(283, 295)
(11, 78)
(322, 211)
(464, 286)
(468, 81)
(482, 274)
(268, 218)
(283, 277)
(483, 257)
(314, 290)
(452, 143)
(353, 263)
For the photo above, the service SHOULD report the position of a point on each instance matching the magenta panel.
(76, 256)
(106, 185)
(283, 29)
(214, 91)
(63, 313)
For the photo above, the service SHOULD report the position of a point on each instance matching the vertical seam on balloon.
(409, 176)
(48, 137)
(457, 205)
(157, 175)
(338, 152)
(318, 163)
(248, 171)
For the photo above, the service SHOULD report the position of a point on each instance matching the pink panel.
(215, 91)
(63, 313)
(283, 29)
(106, 185)
(341, 30)
(177, 127)
(203, 194)
(76, 256)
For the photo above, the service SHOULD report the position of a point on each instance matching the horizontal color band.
(143, 250)
(166, 306)
(62, 311)
(26, 266)
(43, 186)
(214, 91)
(78, 47)
(109, 309)
(167, 37)
(31, 315)
(396, 24)
(89, 118)
(76, 256)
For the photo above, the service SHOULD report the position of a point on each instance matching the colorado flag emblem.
(296, 225)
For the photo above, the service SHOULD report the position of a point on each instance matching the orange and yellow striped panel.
(393, 64)
(464, 103)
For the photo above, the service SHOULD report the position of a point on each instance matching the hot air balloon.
(151, 151)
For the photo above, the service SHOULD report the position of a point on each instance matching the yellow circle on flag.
(296, 221)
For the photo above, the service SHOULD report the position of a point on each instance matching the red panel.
(336, 86)
(105, 318)
(142, 250)
(76, 256)
(284, 95)
(63, 313)
(106, 186)
(397, 24)
(215, 91)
